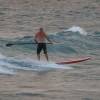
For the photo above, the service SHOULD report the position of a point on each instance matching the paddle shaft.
(11, 44)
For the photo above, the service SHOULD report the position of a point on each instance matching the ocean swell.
(74, 40)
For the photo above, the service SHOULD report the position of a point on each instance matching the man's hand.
(35, 41)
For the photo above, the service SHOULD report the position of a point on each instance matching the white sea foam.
(45, 64)
(77, 29)
(6, 71)
(10, 65)
(2, 56)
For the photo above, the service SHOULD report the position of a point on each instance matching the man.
(40, 38)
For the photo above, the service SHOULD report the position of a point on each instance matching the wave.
(9, 65)
(71, 41)
(74, 40)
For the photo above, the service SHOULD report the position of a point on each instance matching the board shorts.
(40, 47)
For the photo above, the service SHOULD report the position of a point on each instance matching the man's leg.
(38, 51)
(45, 51)
(46, 56)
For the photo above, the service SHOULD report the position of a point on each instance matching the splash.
(77, 29)
(5, 67)
(9, 65)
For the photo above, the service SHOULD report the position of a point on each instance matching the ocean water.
(75, 82)
(68, 43)
(73, 27)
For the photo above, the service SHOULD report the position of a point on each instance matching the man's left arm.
(48, 38)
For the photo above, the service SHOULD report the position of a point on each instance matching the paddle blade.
(9, 44)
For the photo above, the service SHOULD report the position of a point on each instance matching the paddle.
(11, 44)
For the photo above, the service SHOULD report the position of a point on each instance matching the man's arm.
(35, 39)
(48, 38)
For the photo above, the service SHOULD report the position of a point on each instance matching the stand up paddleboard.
(73, 61)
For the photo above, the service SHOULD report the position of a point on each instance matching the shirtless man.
(40, 38)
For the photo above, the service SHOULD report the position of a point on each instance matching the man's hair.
(41, 29)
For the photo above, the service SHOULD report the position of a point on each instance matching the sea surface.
(72, 42)
(75, 35)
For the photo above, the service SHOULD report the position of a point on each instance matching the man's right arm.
(35, 39)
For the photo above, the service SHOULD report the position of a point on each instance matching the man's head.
(41, 29)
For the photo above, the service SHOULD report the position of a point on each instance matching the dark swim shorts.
(40, 47)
